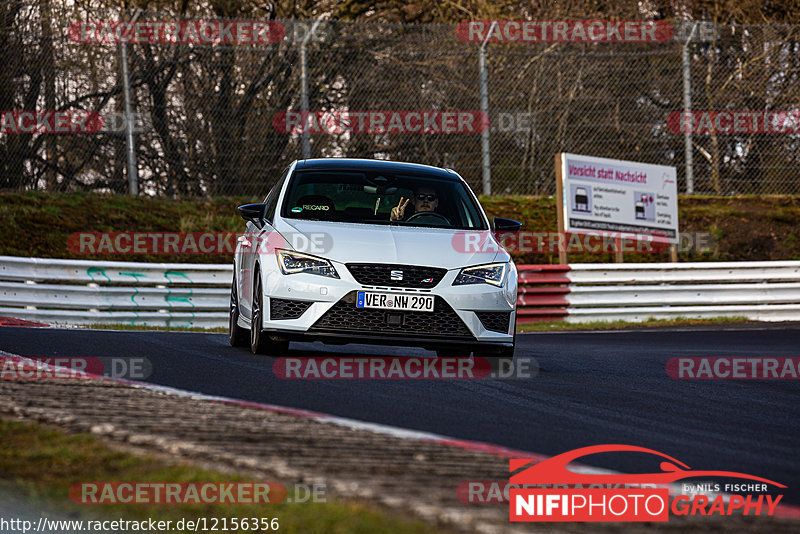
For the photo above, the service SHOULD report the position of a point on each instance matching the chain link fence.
(225, 117)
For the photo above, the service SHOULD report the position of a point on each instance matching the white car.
(368, 251)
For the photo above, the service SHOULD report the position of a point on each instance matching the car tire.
(260, 343)
(237, 336)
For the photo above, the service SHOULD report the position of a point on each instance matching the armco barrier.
(76, 292)
(762, 291)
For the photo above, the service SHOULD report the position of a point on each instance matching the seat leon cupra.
(368, 251)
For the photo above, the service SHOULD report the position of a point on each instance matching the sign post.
(623, 200)
(562, 251)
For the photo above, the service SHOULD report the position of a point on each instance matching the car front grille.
(286, 309)
(345, 317)
(381, 274)
(494, 321)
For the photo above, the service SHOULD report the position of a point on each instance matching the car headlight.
(297, 262)
(494, 273)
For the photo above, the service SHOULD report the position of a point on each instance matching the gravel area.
(407, 475)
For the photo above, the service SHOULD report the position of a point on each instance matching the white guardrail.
(760, 291)
(80, 292)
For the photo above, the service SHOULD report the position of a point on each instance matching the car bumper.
(311, 307)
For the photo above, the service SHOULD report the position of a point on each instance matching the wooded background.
(207, 110)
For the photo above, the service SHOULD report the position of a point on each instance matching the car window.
(367, 197)
(272, 198)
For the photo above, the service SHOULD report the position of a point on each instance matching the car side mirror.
(253, 213)
(506, 225)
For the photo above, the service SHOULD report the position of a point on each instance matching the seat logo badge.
(396, 275)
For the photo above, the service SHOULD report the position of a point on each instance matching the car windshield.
(371, 197)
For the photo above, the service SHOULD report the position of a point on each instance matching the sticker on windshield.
(297, 209)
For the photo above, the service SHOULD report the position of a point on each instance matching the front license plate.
(394, 301)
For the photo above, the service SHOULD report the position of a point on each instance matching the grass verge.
(713, 228)
(40, 463)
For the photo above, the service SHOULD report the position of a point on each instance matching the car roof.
(354, 164)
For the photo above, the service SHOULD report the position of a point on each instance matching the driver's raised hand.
(399, 210)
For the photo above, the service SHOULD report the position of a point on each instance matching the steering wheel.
(429, 214)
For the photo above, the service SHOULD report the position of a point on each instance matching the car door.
(249, 243)
(244, 262)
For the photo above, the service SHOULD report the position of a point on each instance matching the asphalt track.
(592, 388)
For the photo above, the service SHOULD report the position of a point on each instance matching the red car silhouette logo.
(554, 470)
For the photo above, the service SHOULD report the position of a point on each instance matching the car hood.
(367, 243)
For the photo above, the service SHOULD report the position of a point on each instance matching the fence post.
(487, 172)
(304, 100)
(304, 89)
(130, 141)
(687, 108)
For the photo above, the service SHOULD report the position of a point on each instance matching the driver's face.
(425, 199)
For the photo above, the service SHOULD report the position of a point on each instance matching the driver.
(425, 199)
